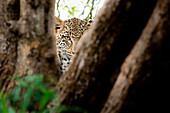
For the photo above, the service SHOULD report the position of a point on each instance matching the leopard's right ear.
(59, 23)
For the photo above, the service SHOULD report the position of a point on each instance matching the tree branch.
(89, 16)
(85, 7)
(140, 57)
(58, 8)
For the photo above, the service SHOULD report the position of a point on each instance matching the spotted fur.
(68, 33)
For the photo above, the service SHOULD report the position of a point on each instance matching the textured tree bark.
(36, 30)
(9, 10)
(139, 60)
(98, 58)
(36, 42)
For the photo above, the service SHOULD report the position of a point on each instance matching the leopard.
(68, 34)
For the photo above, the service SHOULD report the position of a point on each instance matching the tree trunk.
(36, 40)
(9, 10)
(101, 51)
(136, 65)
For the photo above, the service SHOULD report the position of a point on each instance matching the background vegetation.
(34, 96)
(83, 9)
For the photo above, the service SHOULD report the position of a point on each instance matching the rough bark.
(9, 10)
(35, 46)
(90, 77)
(139, 60)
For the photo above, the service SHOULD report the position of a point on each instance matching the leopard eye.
(57, 27)
(66, 37)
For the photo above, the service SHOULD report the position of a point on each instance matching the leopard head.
(69, 32)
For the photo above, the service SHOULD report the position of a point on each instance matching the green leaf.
(65, 7)
(76, 11)
(3, 104)
(82, 2)
(11, 110)
(71, 13)
(89, 7)
(26, 101)
(16, 94)
(47, 96)
(73, 8)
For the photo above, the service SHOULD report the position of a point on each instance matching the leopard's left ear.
(89, 23)
(58, 24)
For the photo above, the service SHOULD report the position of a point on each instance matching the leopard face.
(68, 34)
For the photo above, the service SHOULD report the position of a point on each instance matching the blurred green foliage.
(33, 95)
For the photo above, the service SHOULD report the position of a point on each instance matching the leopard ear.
(89, 23)
(59, 23)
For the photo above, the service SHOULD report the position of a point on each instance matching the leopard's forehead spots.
(75, 27)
